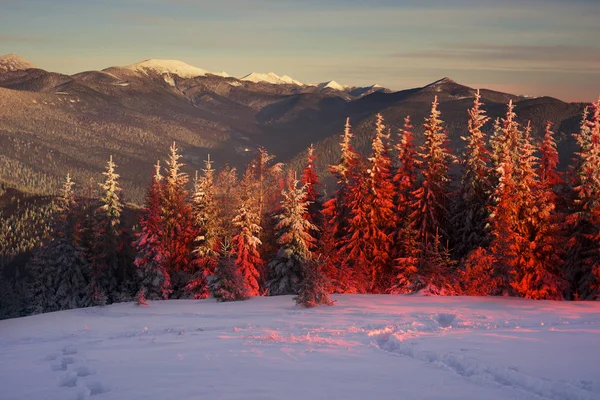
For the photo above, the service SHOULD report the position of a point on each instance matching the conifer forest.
(498, 219)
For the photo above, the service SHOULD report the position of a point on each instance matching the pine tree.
(372, 222)
(205, 210)
(313, 288)
(431, 204)
(406, 174)
(226, 193)
(313, 196)
(153, 275)
(406, 250)
(246, 242)
(178, 228)
(295, 240)
(430, 207)
(228, 283)
(108, 273)
(470, 208)
(336, 214)
(60, 273)
(583, 259)
(505, 210)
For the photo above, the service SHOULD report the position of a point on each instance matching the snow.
(332, 85)
(171, 67)
(12, 62)
(365, 346)
(271, 78)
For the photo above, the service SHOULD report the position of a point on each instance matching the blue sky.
(536, 47)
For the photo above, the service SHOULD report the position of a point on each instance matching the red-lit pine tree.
(313, 196)
(372, 216)
(583, 259)
(431, 204)
(470, 208)
(178, 229)
(154, 278)
(246, 242)
(406, 250)
(505, 207)
(336, 214)
(539, 274)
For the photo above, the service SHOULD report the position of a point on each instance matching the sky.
(530, 47)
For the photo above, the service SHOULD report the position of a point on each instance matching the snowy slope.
(364, 347)
(332, 85)
(271, 78)
(12, 62)
(172, 67)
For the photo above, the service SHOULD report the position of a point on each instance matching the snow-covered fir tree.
(228, 283)
(336, 214)
(582, 262)
(246, 242)
(539, 274)
(313, 288)
(372, 216)
(295, 241)
(226, 193)
(178, 224)
(313, 195)
(470, 207)
(205, 210)
(432, 197)
(60, 273)
(430, 208)
(505, 206)
(406, 251)
(108, 272)
(153, 276)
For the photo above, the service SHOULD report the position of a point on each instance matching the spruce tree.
(372, 216)
(295, 241)
(336, 214)
(470, 207)
(108, 273)
(178, 224)
(505, 210)
(246, 242)
(205, 210)
(406, 250)
(228, 283)
(431, 205)
(59, 270)
(583, 259)
(154, 278)
(313, 288)
(313, 196)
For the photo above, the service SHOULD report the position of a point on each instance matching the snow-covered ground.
(364, 347)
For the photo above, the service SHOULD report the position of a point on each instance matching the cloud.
(21, 39)
(555, 58)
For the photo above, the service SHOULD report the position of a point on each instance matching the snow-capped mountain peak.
(12, 62)
(332, 85)
(172, 67)
(271, 78)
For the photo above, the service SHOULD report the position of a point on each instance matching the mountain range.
(52, 123)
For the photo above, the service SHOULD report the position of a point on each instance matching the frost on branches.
(153, 275)
(294, 237)
(108, 270)
(60, 271)
(246, 242)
